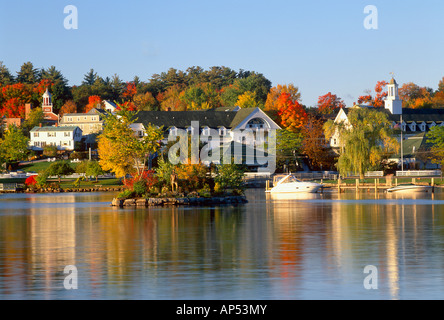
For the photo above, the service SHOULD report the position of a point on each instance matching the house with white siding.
(64, 138)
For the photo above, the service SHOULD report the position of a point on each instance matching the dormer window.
(173, 130)
(222, 131)
(423, 127)
(206, 131)
(403, 127)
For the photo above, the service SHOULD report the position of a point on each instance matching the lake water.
(312, 247)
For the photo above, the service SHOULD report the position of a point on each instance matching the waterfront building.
(64, 138)
(414, 124)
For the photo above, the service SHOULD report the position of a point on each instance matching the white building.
(64, 138)
(109, 106)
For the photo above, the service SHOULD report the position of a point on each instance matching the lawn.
(40, 166)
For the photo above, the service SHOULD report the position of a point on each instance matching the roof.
(90, 112)
(411, 145)
(50, 129)
(393, 81)
(410, 115)
(182, 119)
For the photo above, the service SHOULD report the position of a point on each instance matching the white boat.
(410, 188)
(289, 184)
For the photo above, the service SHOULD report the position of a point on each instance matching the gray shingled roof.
(182, 119)
(409, 115)
(50, 129)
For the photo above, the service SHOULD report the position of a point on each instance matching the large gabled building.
(414, 124)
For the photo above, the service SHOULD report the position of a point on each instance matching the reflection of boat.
(285, 196)
(289, 184)
(409, 188)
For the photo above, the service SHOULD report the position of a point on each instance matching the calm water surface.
(312, 247)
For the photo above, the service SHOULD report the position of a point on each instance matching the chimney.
(169, 109)
(56, 124)
(40, 124)
(28, 108)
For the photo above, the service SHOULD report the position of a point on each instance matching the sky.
(319, 46)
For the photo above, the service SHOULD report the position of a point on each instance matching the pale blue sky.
(319, 46)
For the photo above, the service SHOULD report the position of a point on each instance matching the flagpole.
(402, 158)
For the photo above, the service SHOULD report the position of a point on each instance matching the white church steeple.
(47, 102)
(392, 102)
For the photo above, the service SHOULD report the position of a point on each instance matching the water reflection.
(310, 247)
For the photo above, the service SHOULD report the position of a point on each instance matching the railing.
(8, 186)
(374, 174)
(418, 173)
(14, 175)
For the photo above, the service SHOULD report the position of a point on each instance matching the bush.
(50, 151)
(231, 176)
(140, 187)
(126, 194)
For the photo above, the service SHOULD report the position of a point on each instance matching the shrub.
(30, 181)
(231, 176)
(140, 187)
(126, 194)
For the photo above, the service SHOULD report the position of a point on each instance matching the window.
(67, 134)
(51, 134)
(335, 142)
(222, 131)
(36, 134)
(69, 119)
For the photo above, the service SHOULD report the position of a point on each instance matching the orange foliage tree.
(93, 102)
(69, 107)
(329, 102)
(290, 114)
(377, 100)
(130, 91)
(14, 97)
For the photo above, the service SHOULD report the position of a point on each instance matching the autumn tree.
(69, 107)
(130, 91)
(275, 92)
(120, 150)
(289, 114)
(145, 101)
(377, 99)
(314, 144)
(171, 99)
(93, 102)
(329, 103)
(248, 100)
(367, 138)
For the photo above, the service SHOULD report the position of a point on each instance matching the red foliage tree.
(378, 100)
(93, 102)
(30, 181)
(130, 91)
(328, 103)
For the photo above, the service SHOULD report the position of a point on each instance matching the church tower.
(47, 102)
(392, 102)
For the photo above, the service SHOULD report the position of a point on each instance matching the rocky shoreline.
(196, 201)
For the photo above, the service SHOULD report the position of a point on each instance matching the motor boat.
(289, 184)
(410, 188)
